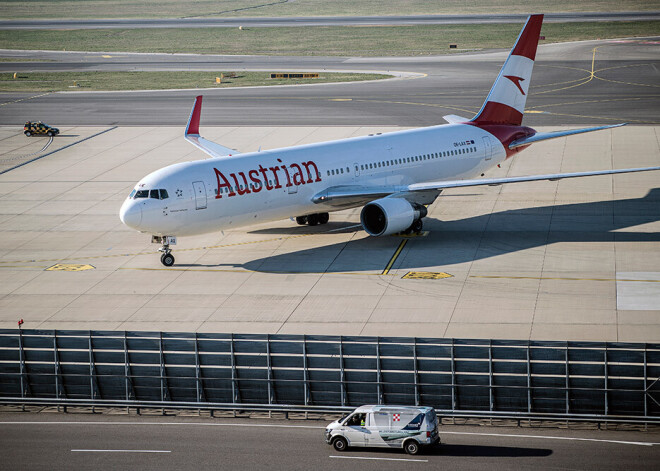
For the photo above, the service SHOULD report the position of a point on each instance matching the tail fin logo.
(516, 81)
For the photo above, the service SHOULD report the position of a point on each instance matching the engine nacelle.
(390, 215)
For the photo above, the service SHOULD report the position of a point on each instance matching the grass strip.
(92, 81)
(73, 9)
(315, 41)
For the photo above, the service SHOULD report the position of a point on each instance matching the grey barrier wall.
(451, 374)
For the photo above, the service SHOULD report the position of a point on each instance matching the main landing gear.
(415, 228)
(166, 258)
(313, 219)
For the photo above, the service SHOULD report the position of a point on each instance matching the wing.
(192, 134)
(425, 193)
(543, 136)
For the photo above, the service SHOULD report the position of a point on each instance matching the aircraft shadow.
(475, 238)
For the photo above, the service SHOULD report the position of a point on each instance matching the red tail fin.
(505, 103)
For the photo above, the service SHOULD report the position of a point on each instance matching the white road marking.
(550, 437)
(379, 459)
(124, 451)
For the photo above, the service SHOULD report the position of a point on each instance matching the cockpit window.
(159, 194)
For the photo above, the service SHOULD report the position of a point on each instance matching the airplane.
(392, 176)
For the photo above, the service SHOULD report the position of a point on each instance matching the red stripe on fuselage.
(506, 134)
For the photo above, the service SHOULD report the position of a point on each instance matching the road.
(70, 441)
(264, 22)
(588, 82)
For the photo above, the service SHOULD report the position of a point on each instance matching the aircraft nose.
(131, 214)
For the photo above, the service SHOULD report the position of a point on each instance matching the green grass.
(72, 9)
(342, 41)
(57, 81)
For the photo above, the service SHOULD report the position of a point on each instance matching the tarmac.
(568, 260)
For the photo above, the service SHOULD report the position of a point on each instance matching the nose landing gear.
(166, 258)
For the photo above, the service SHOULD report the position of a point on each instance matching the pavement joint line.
(559, 278)
(57, 150)
(376, 459)
(394, 257)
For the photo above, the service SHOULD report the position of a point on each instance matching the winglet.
(192, 134)
(193, 121)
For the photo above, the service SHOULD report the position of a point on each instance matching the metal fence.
(609, 379)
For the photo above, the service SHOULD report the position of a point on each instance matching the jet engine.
(390, 215)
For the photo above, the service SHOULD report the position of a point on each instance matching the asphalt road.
(265, 22)
(589, 82)
(59, 441)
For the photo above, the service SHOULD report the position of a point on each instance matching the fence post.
(271, 393)
(25, 384)
(529, 379)
(646, 410)
(567, 381)
(417, 398)
(607, 406)
(453, 378)
(235, 393)
(93, 386)
(341, 371)
(198, 374)
(305, 374)
(59, 385)
(490, 376)
(379, 378)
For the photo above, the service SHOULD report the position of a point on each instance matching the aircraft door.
(488, 148)
(200, 195)
(357, 169)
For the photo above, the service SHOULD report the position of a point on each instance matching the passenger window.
(142, 194)
(163, 194)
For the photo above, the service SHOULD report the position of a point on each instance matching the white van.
(404, 427)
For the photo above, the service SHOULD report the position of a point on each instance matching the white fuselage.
(219, 193)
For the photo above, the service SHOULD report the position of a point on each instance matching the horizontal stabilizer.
(543, 136)
(440, 185)
(455, 119)
(192, 134)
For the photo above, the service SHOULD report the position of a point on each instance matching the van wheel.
(340, 444)
(411, 447)
(50, 133)
(28, 133)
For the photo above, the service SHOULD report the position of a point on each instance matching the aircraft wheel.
(167, 259)
(313, 219)
(340, 444)
(323, 218)
(301, 220)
